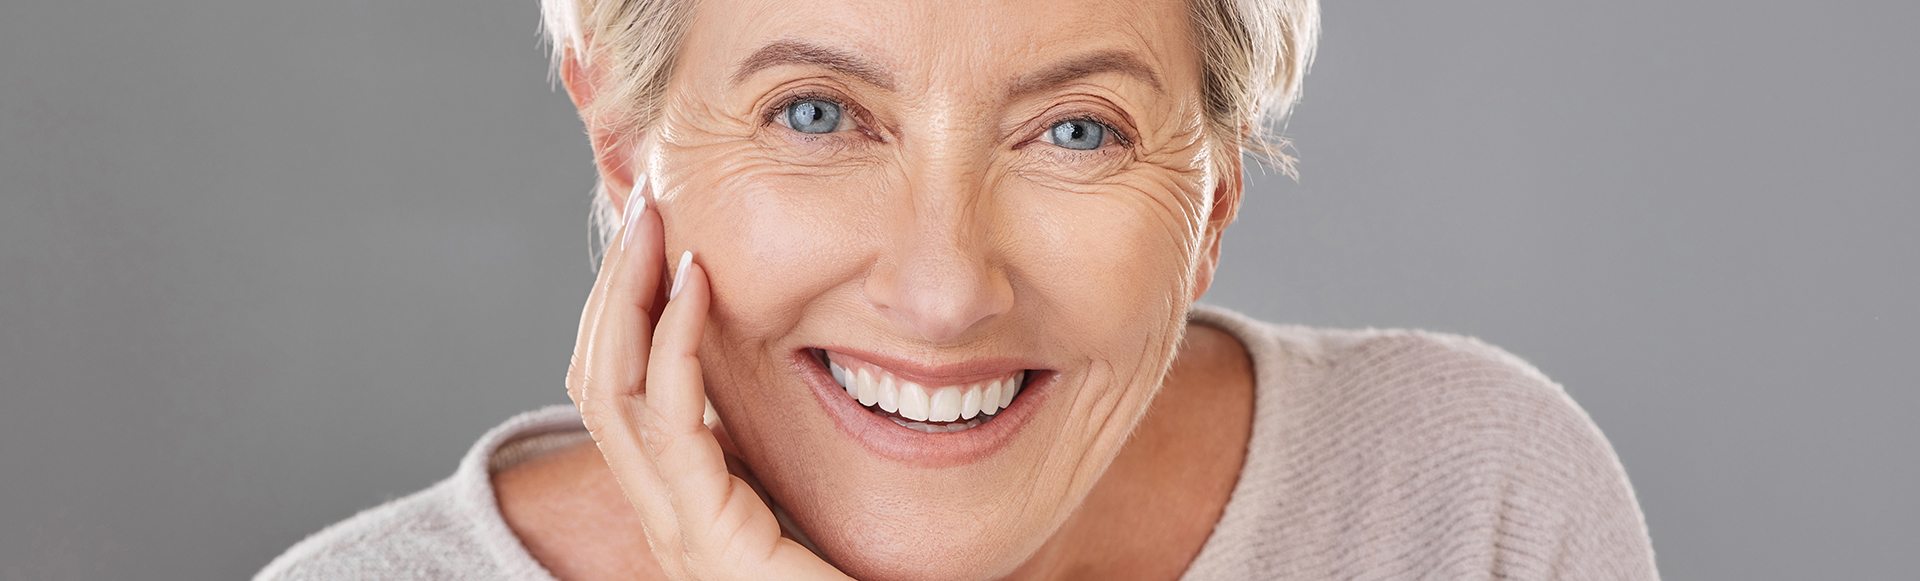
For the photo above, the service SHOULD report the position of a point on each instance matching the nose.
(938, 277)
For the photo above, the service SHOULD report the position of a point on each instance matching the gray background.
(263, 264)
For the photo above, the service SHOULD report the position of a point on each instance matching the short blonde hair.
(1254, 53)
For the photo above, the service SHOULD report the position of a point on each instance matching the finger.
(730, 453)
(620, 330)
(739, 470)
(616, 281)
(720, 515)
(684, 450)
(612, 356)
(681, 397)
(727, 446)
(609, 264)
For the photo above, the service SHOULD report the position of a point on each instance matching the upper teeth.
(913, 401)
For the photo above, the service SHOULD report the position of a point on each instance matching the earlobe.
(1209, 262)
(1226, 195)
(611, 156)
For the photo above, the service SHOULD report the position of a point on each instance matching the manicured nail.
(680, 274)
(636, 205)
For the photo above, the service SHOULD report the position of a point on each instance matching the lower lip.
(901, 444)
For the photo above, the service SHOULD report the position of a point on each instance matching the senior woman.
(907, 290)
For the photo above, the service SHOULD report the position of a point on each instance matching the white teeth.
(970, 403)
(952, 408)
(867, 392)
(914, 401)
(889, 398)
(946, 404)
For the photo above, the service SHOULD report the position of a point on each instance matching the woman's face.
(938, 197)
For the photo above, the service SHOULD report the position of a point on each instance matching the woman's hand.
(639, 389)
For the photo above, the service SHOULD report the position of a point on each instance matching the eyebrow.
(795, 52)
(1106, 61)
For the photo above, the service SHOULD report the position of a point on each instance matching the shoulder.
(1401, 382)
(452, 529)
(1421, 392)
(423, 535)
(1422, 450)
(1457, 436)
(1438, 383)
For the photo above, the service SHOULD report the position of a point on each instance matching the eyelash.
(779, 107)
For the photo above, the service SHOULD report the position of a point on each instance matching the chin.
(978, 550)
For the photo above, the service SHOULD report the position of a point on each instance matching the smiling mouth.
(955, 406)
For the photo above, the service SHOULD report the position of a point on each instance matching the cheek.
(773, 239)
(1115, 266)
(1126, 245)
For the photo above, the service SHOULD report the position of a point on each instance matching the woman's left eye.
(813, 116)
(1082, 134)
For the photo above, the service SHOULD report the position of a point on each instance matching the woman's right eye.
(813, 116)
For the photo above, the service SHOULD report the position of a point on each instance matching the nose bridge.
(940, 275)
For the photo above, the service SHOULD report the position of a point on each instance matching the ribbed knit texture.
(1404, 454)
(1375, 454)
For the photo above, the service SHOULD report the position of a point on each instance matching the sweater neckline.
(1278, 355)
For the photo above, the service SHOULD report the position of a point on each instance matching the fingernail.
(680, 274)
(636, 204)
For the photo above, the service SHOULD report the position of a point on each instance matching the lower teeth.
(937, 428)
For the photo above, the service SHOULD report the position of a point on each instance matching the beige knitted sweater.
(1375, 454)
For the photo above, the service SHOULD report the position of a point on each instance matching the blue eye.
(1084, 134)
(813, 116)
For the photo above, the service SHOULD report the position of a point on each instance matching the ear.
(1226, 205)
(612, 151)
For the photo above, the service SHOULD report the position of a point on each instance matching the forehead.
(918, 45)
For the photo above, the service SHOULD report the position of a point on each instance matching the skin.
(938, 225)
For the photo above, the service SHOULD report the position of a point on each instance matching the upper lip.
(932, 374)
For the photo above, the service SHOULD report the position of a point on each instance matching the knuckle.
(576, 377)
(653, 433)
(596, 417)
